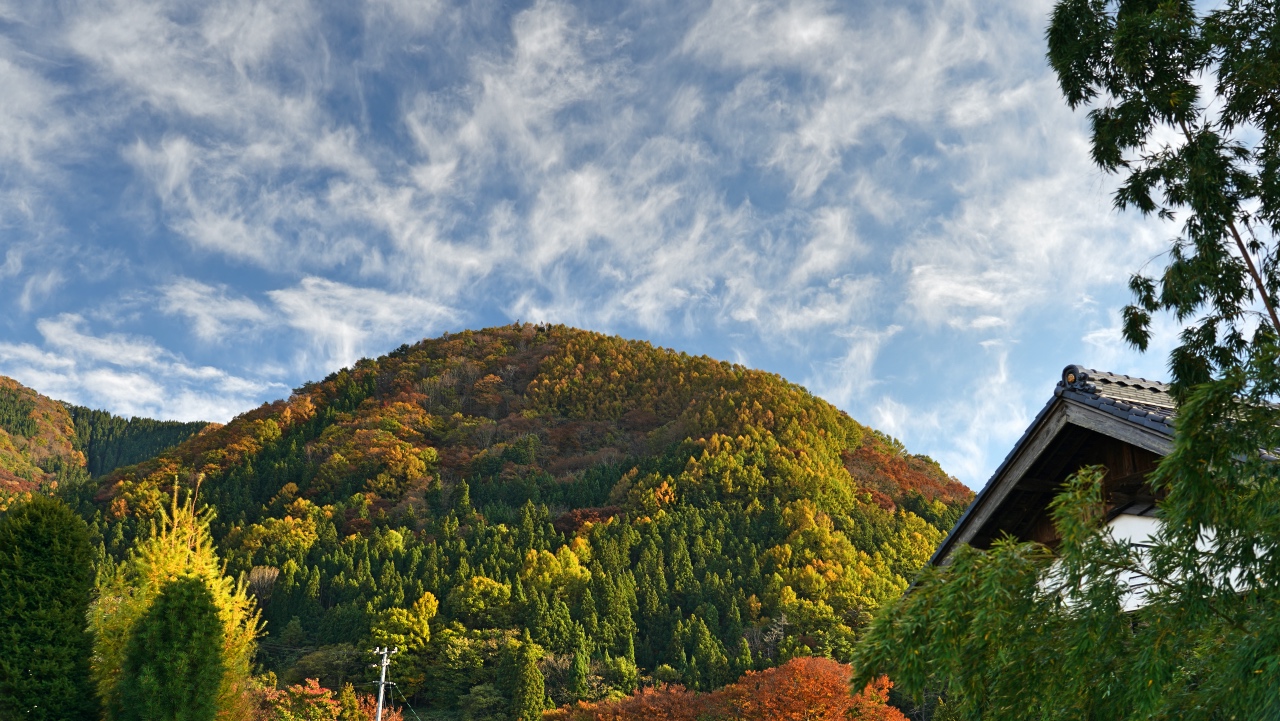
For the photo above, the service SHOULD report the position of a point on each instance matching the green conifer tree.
(560, 625)
(580, 668)
(518, 597)
(462, 495)
(742, 662)
(590, 618)
(174, 661)
(529, 693)
(46, 577)
(708, 666)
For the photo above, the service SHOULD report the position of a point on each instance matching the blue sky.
(204, 204)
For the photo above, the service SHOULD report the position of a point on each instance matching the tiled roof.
(1136, 400)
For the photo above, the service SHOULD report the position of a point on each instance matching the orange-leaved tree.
(803, 689)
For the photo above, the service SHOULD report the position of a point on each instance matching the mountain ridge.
(224, 446)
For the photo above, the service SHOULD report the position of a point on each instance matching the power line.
(406, 703)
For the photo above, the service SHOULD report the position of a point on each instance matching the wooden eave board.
(1045, 430)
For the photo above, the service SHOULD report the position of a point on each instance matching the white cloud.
(31, 123)
(38, 287)
(128, 375)
(66, 333)
(214, 311)
(342, 322)
(12, 263)
(847, 379)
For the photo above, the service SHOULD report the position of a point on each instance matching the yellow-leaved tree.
(179, 545)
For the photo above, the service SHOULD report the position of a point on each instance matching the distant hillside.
(45, 443)
(37, 443)
(109, 442)
(691, 516)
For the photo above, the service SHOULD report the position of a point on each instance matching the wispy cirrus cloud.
(130, 375)
(215, 313)
(344, 322)
(888, 201)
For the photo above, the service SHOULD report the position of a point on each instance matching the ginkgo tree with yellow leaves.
(178, 546)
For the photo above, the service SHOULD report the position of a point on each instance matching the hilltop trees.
(46, 577)
(581, 513)
(667, 510)
(109, 441)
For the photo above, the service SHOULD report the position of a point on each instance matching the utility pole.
(382, 678)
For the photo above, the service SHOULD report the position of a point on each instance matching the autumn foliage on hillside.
(802, 689)
(897, 478)
(623, 507)
(46, 444)
(36, 441)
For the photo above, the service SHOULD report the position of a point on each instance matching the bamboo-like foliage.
(1184, 110)
(179, 545)
(1186, 625)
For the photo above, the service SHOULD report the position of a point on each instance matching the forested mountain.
(632, 511)
(45, 443)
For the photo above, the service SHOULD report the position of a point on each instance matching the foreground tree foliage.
(1022, 631)
(173, 663)
(46, 577)
(179, 546)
